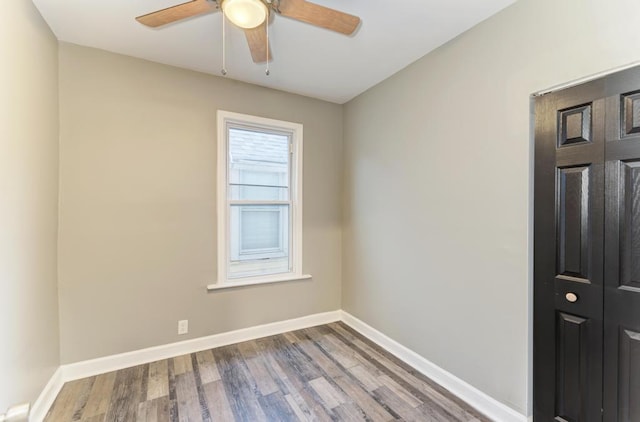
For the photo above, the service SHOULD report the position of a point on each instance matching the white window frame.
(224, 120)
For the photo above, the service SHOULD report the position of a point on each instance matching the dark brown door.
(622, 251)
(569, 255)
(587, 252)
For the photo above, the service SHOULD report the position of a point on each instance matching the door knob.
(571, 297)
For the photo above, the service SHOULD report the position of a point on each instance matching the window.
(259, 200)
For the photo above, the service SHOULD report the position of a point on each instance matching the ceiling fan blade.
(321, 16)
(257, 40)
(176, 13)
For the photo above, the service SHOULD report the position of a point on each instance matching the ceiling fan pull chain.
(224, 47)
(267, 42)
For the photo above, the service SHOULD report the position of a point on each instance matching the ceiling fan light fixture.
(245, 13)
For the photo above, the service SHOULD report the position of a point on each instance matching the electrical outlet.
(183, 326)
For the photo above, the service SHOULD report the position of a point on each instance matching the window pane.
(259, 228)
(259, 240)
(258, 165)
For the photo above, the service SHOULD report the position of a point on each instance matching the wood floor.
(325, 373)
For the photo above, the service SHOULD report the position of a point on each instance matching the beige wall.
(438, 160)
(138, 212)
(29, 351)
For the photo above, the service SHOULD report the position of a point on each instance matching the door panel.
(629, 376)
(622, 253)
(573, 222)
(629, 182)
(574, 125)
(630, 108)
(568, 248)
(575, 334)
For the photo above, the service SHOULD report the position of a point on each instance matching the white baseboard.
(45, 400)
(98, 366)
(89, 368)
(482, 402)
(476, 398)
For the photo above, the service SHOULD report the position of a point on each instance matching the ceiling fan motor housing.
(246, 14)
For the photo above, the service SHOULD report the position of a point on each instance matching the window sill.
(258, 280)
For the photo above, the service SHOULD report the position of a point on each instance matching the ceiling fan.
(253, 17)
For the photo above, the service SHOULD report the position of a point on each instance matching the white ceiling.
(307, 60)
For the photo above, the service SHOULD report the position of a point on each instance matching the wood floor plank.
(414, 382)
(208, 368)
(82, 398)
(126, 394)
(329, 344)
(276, 408)
(423, 390)
(329, 395)
(355, 338)
(431, 413)
(324, 373)
(100, 396)
(187, 396)
(68, 399)
(158, 384)
(182, 364)
(400, 391)
(258, 368)
(347, 412)
(289, 355)
(94, 418)
(300, 415)
(299, 399)
(290, 337)
(276, 371)
(173, 400)
(311, 349)
(344, 379)
(219, 407)
(204, 407)
(156, 410)
(368, 379)
(300, 369)
(147, 411)
(239, 385)
(164, 409)
(371, 363)
(375, 411)
(298, 386)
(399, 406)
(318, 333)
